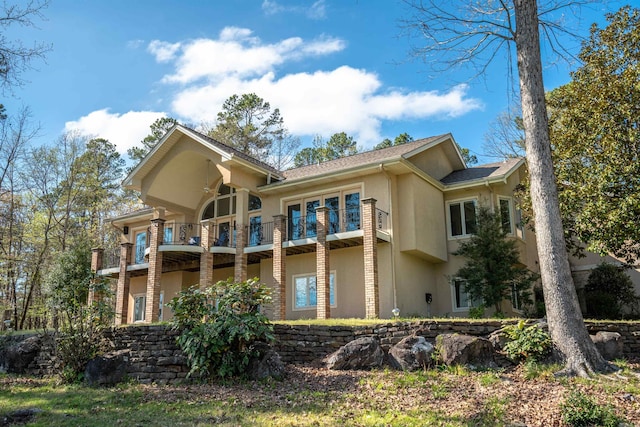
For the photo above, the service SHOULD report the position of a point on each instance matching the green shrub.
(526, 342)
(476, 312)
(579, 410)
(609, 292)
(219, 325)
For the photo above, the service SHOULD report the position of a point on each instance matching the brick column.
(97, 255)
(122, 289)
(370, 244)
(279, 296)
(323, 310)
(207, 236)
(240, 272)
(154, 272)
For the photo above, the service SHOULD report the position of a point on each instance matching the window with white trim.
(460, 297)
(462, 218)
(516, 300)
(305, 291)
(139, 307)
(506, 217)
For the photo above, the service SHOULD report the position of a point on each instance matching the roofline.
(131, 215)
(484, 181)
(439, 139)
(226, 155)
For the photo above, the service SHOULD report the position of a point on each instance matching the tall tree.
(493, 270)
(158, 129)
(15, 57)
(339, 145)
(473, 32)
(248, 124)
(403, 138)
(595, 132)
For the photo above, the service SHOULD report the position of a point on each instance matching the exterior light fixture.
(396, 312)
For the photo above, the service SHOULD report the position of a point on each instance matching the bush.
(609, 292)
(527, 342)
(579, 410)
(219, 325)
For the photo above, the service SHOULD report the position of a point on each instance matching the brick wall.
(154, 356)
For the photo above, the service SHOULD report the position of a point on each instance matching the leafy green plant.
(79, 322)
(610, 292)
(219, 325)
(579, 410)
(477, 312)
(526, 342)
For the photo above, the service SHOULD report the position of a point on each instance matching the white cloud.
(123, 130)
(163, 51)
(316, 11)
(319, 102)
(235, 52)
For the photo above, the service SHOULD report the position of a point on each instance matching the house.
(350, 238)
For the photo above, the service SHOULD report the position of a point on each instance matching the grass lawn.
(318, 397)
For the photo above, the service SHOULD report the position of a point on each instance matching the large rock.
(267, 364)
(411, 353)
(459, 349)
(108, 369)
(18, 357)
(609, 344)
(361, 353)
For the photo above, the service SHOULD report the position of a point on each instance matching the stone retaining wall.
(153, 355)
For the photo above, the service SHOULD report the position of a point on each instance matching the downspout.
(390, 219)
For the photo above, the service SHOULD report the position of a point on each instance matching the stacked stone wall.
(153, 356)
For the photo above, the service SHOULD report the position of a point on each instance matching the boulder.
(18, 357)
(459, 349)
(411, 353)
(361, 353)
(108, 369)
(609, 344)
(267, 364)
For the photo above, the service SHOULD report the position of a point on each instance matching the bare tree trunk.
(566, 324)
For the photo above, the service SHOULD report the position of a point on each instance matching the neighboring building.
(370, 232)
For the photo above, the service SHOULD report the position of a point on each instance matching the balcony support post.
(370, 244)
(323, 272)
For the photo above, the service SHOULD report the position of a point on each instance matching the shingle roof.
(489, 170)
(360, 159)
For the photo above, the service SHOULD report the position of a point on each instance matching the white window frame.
(332, 273)
(517, 307)
(454, 299)
(161, 306)
(136, 233)
(460, 202)
(509, 200)
(144, 308)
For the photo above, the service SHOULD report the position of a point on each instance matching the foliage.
(219, 324)
(579, 410)
(477, 312)
(595, 133)
(248, 124)
(609, 291)
(403, 138)
(79, 339)
(158, 129)
(339, 145)
(493, 268)
(528, 343)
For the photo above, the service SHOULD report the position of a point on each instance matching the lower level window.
(461, 298)
(305, 291)
(139, 307)
(516, 302)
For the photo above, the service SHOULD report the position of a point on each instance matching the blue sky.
(329, 65)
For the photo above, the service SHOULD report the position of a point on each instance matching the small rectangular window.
(305, 291)
(462, 218)
(139, 307)
(141, 245)
(516, 302)
(294, 225)
(505, 215)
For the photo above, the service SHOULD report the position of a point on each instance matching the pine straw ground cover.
(319, 397)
